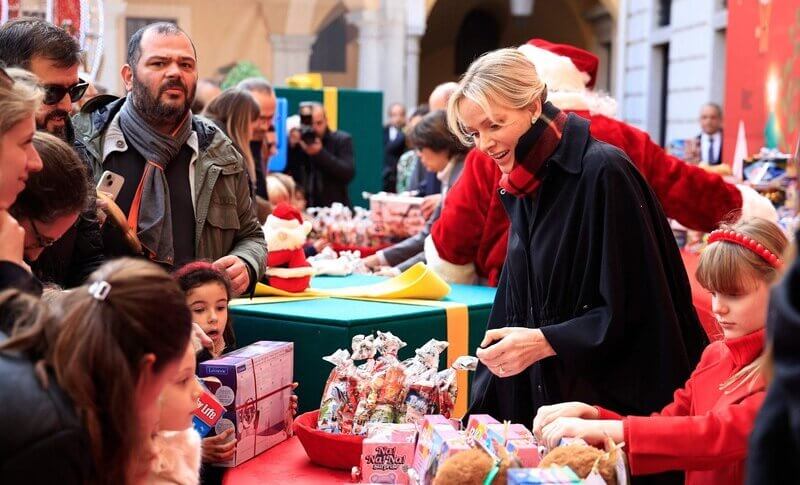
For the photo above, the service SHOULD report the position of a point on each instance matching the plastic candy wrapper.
(426, 359)
(337, 394)
(384, 390)
(446, 386)
(327, 262)
(343, 226)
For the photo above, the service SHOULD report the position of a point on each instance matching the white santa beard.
(282, 239)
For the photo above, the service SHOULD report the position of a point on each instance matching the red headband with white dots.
(747, 242)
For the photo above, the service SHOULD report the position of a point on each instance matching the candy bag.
(335, 393)
(447, 385)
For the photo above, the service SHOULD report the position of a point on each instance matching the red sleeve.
(694, 197)
(660, 443)
(457, 232)
(603, 413)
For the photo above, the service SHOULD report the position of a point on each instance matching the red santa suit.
(468, 241)
(705, 430)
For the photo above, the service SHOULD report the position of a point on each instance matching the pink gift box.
(438, 440)
(388, 453)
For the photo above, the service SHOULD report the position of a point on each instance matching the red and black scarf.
(532, 150)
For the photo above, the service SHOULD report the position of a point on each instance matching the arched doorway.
(450, 23)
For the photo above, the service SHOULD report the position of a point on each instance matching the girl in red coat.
(704, 431)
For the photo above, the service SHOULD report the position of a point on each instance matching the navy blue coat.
(592, 262)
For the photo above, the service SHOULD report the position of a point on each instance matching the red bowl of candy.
(329, 450)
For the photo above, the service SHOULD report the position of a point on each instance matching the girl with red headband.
(705, 430)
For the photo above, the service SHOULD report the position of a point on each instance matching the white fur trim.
(756, 205)
(452, 273)
(591, 101)
(278, 223)
(558, 72)
(290, 272)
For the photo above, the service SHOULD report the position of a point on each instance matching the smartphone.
(111, 183)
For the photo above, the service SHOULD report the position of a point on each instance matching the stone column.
(415, 29)
(290, 55)
(370, 42)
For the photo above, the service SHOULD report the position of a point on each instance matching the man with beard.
(186, 195)
(54, 57)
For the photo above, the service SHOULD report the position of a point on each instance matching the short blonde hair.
(20, 98)
(505, 76)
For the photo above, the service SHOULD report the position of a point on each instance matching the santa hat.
(565, 65)
(570, 74)
(285, 216)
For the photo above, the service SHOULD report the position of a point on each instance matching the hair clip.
(99, 290)
(746, 242)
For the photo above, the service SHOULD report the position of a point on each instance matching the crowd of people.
(110, 298)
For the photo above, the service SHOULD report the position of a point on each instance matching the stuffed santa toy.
(286, 232)
(468, 242)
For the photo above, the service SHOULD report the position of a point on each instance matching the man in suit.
(711, 137)
(394, 145)
(325, 166)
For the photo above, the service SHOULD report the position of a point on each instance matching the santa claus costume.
(468, 243)
(286, 232)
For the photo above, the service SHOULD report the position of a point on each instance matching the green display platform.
(320, 327)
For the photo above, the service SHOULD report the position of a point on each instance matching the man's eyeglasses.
(53, 93)
(41, 241)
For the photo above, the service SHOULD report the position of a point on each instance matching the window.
(329, 52)
(664, 12)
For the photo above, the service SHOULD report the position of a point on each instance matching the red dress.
(704, 431)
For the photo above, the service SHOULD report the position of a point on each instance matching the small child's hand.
(548, 414)
(217, 448)
(592, 431)
(293, 401)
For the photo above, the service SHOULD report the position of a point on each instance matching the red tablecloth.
(286, 463)
(701, 297)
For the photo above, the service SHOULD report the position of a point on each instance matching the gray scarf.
(150, 212)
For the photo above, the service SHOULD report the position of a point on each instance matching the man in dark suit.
(325, 166)
(394, 145)
(710, 140)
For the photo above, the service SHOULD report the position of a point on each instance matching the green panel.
(296, 96)
(361, 115)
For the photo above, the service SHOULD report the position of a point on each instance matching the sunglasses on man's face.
(53, 93)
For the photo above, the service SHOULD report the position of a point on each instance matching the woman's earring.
(533, 120)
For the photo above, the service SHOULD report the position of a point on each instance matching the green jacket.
(225, 219)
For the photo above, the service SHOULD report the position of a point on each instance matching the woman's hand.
(217, 448)
(372, 262)
(548, 414)
(12, 240)
(593, 432)
(516, 349)
(293, 401)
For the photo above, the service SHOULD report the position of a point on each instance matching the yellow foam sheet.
(260, 300)
(417, 282)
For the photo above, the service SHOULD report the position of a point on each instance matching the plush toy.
(472, 468)
(286, 232)
(581, 458)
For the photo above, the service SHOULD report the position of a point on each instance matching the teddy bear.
(286, 232)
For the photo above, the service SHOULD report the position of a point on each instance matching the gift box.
(396, 216)
(254, 384)
(438, 440)
(208, 412)
(542, 476)
(516, 438)
(388, 453)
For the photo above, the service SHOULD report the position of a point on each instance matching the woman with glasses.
(53, 198)
(18, 160)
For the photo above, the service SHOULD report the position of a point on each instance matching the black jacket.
(593, 263)
(43, 441)
(775, 441)
(392, 151)
(325, 176)
(70, 261)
